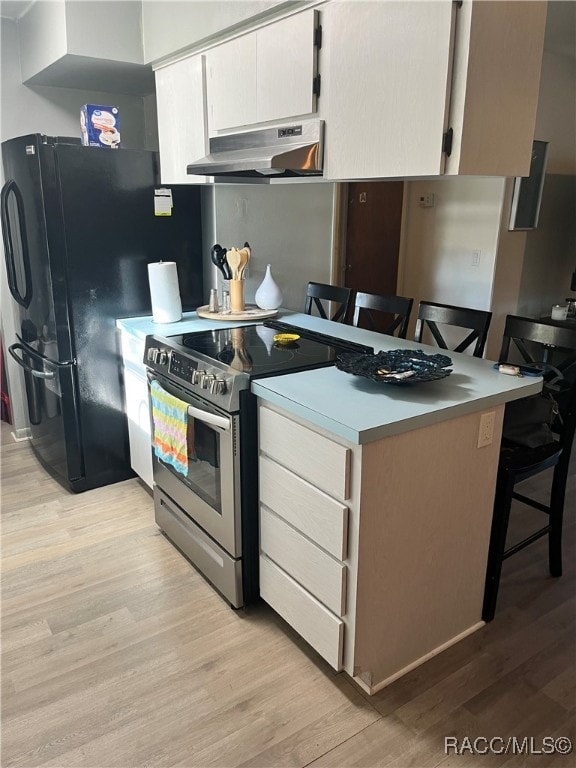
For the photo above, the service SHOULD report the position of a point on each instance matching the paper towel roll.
(164, 292)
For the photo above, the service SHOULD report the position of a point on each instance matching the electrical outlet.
(476, 258)
(486, 431)
(427, 200)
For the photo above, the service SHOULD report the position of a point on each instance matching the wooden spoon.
(233, 258)
(244, 259)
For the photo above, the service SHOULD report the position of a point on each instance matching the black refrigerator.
(79, 229)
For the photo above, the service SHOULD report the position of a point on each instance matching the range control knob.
(217, 387)
(197, 376)
(207, 380)
(152, 354)
(162, 357)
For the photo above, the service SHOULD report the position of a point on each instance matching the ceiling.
(560, 27)
(13, 9)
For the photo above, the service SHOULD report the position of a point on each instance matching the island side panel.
(426, 512)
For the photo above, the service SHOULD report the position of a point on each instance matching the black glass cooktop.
(253, 350)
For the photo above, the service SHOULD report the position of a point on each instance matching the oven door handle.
(209, 418)
(213, 419)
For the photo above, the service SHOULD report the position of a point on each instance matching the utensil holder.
(237, 295)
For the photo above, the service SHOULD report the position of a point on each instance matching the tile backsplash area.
(288, 226)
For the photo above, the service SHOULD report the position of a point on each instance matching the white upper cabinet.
(182, 131)
(385, 85)
(182, 135)
(286, 66)
(410, 88)
(231, 81)
(268, 74)
(495, 88)
(422, 88)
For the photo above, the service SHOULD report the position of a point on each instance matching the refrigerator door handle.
(11, 188)
(38, 374)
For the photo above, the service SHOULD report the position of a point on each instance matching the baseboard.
(20, 434)
(374, 688)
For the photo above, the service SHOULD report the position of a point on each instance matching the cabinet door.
(231, 79)
(139, 431)
(387, 78)
(495, 88)
(286, 65)
(182, 132)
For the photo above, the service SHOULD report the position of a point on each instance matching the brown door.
(373, 222)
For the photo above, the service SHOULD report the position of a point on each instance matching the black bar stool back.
(398, 309)
(316, 293)
(519, 463)
(476, 320)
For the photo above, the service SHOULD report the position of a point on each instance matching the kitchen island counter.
(396, 483)
(361, 411)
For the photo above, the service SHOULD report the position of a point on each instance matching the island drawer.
(310, 455)
(314, 569)
(315, 623)
(310, 511)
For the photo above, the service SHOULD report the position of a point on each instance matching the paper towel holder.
(164, 292)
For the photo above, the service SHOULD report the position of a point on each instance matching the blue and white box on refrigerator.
(100, 126)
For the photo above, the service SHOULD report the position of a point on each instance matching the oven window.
(203, 463)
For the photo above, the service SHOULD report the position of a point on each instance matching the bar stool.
(518, 463)
(398, 307)
(476, 320)
(318, 292)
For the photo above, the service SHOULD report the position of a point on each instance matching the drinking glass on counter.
(559, 312)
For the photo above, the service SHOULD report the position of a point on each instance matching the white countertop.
(362, 411)
(355, 408)
(140, 327)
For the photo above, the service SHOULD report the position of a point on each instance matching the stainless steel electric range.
(210, 511)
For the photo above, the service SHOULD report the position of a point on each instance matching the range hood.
(270, 153)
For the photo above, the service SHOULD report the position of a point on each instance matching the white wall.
(100, 29)
(288, 226)
(439, 242)
(43, 36)
(168, 26)
(507, 276)
(550, 253)
(118, 24)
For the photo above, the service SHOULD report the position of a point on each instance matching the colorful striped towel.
(170, 418)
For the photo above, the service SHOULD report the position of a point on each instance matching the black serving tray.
(397, 367)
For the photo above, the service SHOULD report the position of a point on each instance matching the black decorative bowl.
(398, 366)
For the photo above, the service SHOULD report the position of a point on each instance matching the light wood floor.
(116, 652)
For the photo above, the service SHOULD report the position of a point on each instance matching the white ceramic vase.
(268, 295)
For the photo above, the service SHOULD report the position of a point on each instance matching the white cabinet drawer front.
(311, 511)
(312, 456)
(319, 627)
(313, 568)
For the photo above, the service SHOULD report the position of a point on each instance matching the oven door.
(210, 493)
